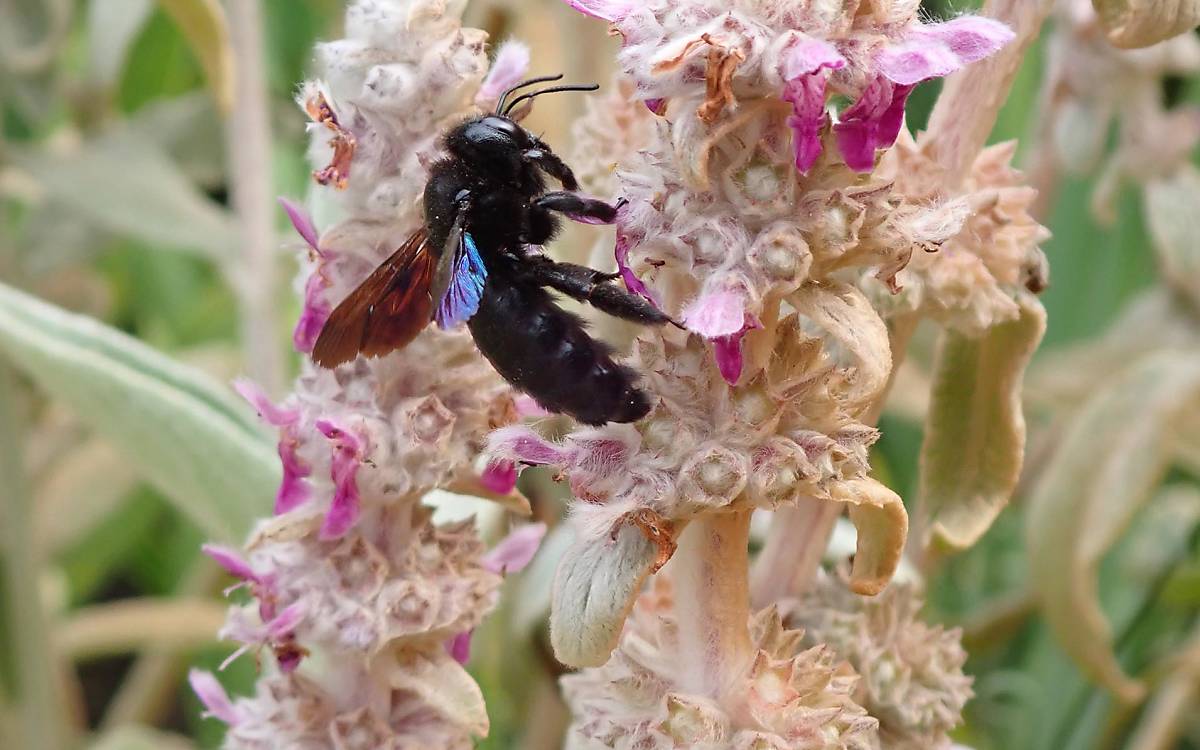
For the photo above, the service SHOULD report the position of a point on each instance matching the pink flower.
(523, 445)
(500, 477)
(293, 489)
(939, 49)
(347, 458)
(301, 222)
(216, 701)
(728, 350)
(314, 314)
(276, 416)
(509, 67)
(716, 314)
(926, 51)
(632, 282)
(515, 551)
(802, 69)
(871, 123)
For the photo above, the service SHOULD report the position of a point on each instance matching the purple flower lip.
(216, 701)
(347, 458)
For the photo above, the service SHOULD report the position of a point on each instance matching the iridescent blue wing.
(465, 288)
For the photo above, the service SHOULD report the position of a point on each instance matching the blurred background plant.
(141, 147)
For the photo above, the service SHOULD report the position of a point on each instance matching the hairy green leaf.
(129, 186)
(975, 431)
(1172, 205)
(183, 433)
(594, 590)
(1112, 456)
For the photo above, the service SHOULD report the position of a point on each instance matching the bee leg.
(550, 163)
(593, 287)
(587, 210)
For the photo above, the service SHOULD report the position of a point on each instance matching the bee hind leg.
(593, 287)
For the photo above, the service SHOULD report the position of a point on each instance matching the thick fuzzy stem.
(789, 561)
(966, 111)
(712, 603)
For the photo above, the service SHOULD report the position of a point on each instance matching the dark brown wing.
(386, 311)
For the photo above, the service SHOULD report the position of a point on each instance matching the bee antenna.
(524, 84)
(552, 90)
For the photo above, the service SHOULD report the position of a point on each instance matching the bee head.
(493, 143)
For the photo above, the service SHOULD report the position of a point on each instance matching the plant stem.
(36, 693)
(798, 536)
(712, 603)
(795, 545)
(248, 139)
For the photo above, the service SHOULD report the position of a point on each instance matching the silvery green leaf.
(183, 432)
(975, 430)
(1172, 205)
(594, 590)
(112, 26)
(1113, 455)
(130, 187)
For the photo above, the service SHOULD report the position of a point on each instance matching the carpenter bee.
(486, 204)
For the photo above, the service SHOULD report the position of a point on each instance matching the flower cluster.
(791, 696)
(972, 283)
(912, 673)
(749, 218)
(350, 573)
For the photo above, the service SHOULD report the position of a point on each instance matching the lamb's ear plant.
(774, 203)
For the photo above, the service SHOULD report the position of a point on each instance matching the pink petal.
(343, 511)
(871, 123)
(459, 646)
(657, 106)
(316, 311)
(509, 67)
(214, 697)
(808, 55)
(500, 477)
(938, 49)
(288, 660)
(802, 69)
(728, 351)
(606, 10)
(515, 550)
(715, 314)
(285, 623)
(231, 561)
(522, 444)
(276, 416)
(301, 222)
(293, 489)
(632, 282)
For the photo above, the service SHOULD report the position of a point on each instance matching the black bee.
(485, 204)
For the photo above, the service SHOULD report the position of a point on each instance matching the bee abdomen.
(546, 352)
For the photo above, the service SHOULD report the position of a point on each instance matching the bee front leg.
(593, 287)
(578, 207)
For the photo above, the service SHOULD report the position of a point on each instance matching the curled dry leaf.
(1131, 24)
(1111, 458)
(975, 431)
(882, 523)
(594, 589)
(845, 315)
(1172, 205)
(441, 683)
